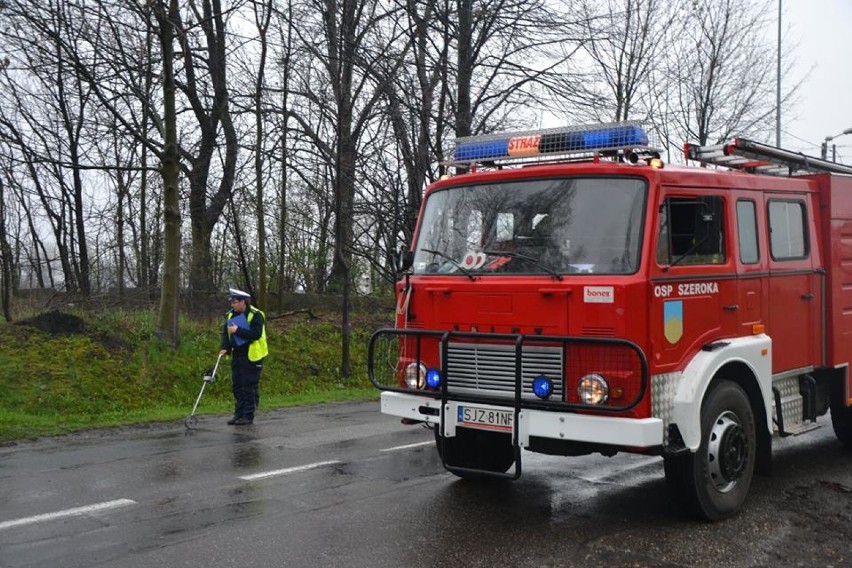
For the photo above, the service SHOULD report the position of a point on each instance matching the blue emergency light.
(481, 150)
(568, 140)
(542, 387)
(433, 378)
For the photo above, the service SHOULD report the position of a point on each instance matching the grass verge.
(66, 372)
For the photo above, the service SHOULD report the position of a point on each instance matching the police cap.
(234, 294)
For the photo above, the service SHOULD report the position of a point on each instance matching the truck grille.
(490, 369)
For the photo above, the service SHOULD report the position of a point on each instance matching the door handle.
(555, 291)
(436, 291)
(808, 296)
(732, 307)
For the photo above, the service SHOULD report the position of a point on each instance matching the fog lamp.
(433, 378)
(415, 375)
(593, 389)
(542, 387)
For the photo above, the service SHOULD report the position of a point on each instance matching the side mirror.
(403, 260)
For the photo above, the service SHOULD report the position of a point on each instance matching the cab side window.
(691, 231)
(747, 231)
(787, 229)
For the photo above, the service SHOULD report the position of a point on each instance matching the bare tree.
(722, 71)
(147, 260)
(263, 17)
(345, 46)
(53, 206)
(208, 155)
(506, 52)
(468, 67)
(52, 102)
(286, 24)
(167, 325)
(622, 40)
(211, 114)
(336, 113)
(412, 94)
(6, 261)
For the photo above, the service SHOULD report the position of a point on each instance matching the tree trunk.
(203, 215)
(464, 112)
(167, 324)
(5, 261)
(262, 21)
(144, 259)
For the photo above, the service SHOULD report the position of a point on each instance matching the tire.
(714, 481)
(841, 421)
(675, 468)
(477, 449)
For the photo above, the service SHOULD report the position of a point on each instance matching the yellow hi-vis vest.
(258, 348)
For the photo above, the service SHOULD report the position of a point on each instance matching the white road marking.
(408, 446)
(265, 474)
(68, 513)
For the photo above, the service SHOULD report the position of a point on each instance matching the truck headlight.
(593, 389)
(415, 375)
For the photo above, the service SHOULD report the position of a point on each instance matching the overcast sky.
(822, 30)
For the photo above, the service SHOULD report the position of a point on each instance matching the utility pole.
(778, 86)
(833, 146)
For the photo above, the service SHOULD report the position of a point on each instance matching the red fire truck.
(569, 293)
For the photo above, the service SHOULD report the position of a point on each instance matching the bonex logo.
(598, 294)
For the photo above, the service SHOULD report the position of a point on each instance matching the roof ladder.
(750, 156)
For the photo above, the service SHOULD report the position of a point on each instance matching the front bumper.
(567, 426)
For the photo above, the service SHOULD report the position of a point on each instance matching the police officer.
(244, 337)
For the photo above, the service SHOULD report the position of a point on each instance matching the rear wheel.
(477, 449)
(714, 481)
(841, 420)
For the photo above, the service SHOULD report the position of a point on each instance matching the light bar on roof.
(566, 140)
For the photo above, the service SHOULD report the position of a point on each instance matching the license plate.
(486, 418)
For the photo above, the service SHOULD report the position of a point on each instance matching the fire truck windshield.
(542, 226)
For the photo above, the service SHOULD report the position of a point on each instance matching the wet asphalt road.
(342, 485)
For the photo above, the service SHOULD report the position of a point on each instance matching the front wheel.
(477, 449)
(717, 477)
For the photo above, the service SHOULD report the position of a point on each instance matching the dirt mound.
(56, 323)
(60, 323)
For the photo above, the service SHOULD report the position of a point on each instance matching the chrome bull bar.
(391, 349)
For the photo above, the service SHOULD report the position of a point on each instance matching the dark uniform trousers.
(245, 376)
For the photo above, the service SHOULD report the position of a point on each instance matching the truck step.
(801, 428)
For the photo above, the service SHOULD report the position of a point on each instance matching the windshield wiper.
(537, 262)
(464, 270)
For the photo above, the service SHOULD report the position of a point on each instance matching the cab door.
(752, 262)
(694, 280)
(794, 296)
